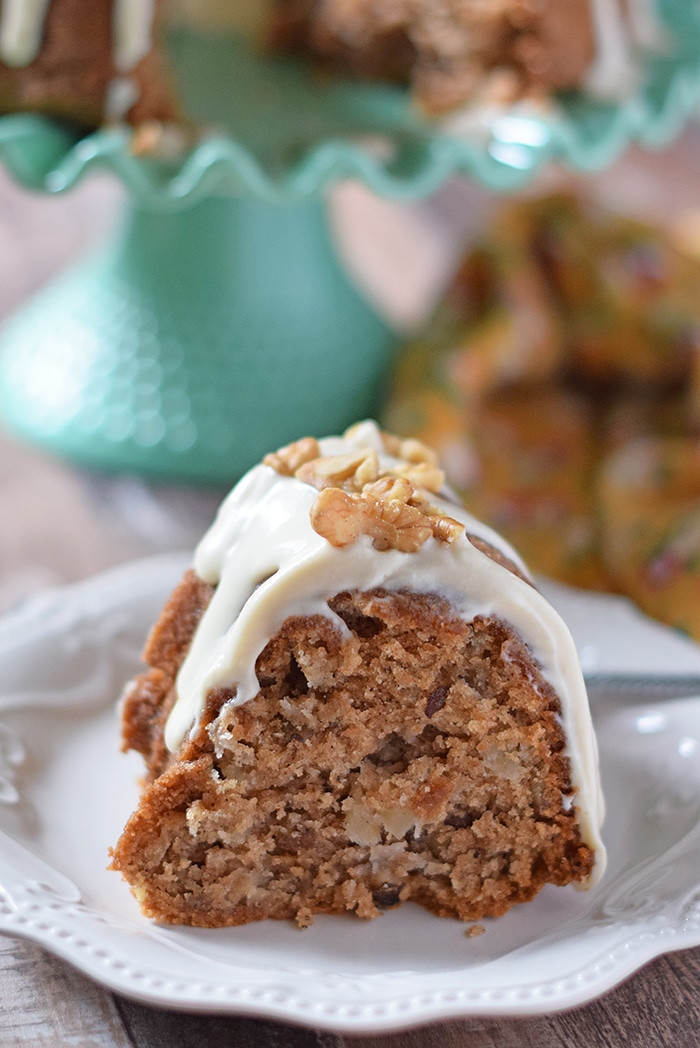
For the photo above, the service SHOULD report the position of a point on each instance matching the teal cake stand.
(218, 322)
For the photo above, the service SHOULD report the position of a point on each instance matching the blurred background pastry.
(559, 377)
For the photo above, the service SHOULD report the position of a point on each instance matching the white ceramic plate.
(65, 791)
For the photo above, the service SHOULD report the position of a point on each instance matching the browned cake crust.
(74, 69)
(419, 758)
(450, 51)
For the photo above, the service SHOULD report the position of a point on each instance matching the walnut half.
(289, 459)
(341, 517)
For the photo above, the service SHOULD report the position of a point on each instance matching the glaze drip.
(21, 30)
(22, 25)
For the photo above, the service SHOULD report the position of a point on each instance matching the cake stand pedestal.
(194, 342)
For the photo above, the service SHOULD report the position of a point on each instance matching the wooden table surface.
(43, 1001)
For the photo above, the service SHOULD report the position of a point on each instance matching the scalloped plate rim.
(401, 999)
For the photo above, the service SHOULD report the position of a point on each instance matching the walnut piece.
(416, 451)
(351, 471)
(422, 475)
(445, 529)
(335, 516)
(398, 489)
(408, 449)
(395, 525)
(341, 517)
(289, 459)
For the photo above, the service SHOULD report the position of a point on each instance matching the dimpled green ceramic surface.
(218, 323)
(196, 343)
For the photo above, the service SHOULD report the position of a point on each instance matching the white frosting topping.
(132, 24)
(122, 93)
(621, 28)
(21, 30)
(267, 563)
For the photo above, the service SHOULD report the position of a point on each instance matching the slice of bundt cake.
(91, 61)
(458, 51)
(356, 698)
(88, 61)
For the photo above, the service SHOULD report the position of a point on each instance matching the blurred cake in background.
(92, 61)
(456, 50)
(88, 61)
(96, 61)
(560, 380)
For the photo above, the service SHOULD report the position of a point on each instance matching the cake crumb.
(474, 930)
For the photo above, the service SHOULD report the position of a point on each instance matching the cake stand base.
(195, 342)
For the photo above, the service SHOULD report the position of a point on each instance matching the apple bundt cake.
(356, 697)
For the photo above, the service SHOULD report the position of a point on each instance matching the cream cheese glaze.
(622, 30)
(267, 563)
(21, 30)
(132, 22)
